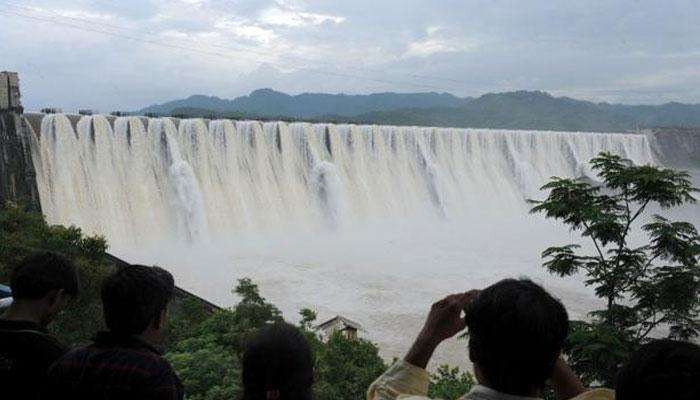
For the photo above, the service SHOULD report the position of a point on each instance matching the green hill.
(267, 102)
(512, 110)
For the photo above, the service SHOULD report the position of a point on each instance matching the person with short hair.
(123, 363)
(42, 285)
(516, 333)
(278, 365)
(661, 369)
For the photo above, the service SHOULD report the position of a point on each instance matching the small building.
(345, 326)
(52, 110)
(86, 111)
(9, 91)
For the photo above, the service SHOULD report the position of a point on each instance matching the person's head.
(278, 365)
(135, 301)
(42, 284)
(662, 369)
(516, 332)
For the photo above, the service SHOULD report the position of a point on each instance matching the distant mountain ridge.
(268, 102)
(510, 110)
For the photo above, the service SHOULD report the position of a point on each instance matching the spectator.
(278, 365)
(123, 363)
(516, 332)
(662, 369)
(42, 284)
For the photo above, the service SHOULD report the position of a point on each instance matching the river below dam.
(370, 222)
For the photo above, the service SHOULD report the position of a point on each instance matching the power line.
(241, 48)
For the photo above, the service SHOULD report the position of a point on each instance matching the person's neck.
(534, 393)
(538, 393)
(149, 337)
(25, 311)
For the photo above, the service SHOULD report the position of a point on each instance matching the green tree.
(308, 316)
(655, 285)
(346, 367)
(449, 383)
(23, 232)
(208, 369)
(206, 350)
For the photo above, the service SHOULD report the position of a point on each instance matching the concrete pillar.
(17, 175)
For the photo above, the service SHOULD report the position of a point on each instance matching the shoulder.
(41, 343)
(596, 394)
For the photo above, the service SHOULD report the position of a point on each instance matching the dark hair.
(39, 273)
(134, 296)
(516, 331)
(662, 369)
(278, 363)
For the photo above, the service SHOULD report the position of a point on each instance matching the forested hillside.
(513, 110)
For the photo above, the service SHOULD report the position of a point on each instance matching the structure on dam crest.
(17, 177)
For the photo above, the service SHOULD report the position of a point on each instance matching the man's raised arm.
(408, 377)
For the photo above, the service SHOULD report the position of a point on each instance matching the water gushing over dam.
(141, 184)
(373, 222)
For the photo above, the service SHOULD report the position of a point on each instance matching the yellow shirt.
(403, 381)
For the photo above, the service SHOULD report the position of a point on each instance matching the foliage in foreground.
(647, 289)
(449, 383)
(23, 232)
(207, 357)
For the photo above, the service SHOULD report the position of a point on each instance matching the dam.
(371, 222)
(143, 182)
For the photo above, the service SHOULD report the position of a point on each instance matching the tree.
(346, 367)
(208, 369)
(206, 350)
(646, 287)
(23, 232)
(449, 383)
(308, 316)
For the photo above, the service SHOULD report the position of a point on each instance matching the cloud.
(287, 15)
(109, 54)
(246, 31)
(437, 40)
(295, 19)
(663, 79)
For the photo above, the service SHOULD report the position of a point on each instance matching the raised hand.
(444, 321)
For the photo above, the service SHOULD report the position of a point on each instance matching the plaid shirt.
(114, 367)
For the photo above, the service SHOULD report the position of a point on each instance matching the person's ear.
(56, 299)
(159, 321)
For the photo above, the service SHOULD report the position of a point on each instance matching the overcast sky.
(127, 54)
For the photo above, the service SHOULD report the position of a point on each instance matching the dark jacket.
(26, 352)
(114, 367)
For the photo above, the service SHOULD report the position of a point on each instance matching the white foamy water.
(371, 222)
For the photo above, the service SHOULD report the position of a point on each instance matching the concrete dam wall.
(17, 178)
(325, 157)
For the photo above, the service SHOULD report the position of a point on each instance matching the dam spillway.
(371, 222)
(142, 182)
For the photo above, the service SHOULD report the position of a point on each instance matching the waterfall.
(328, 189)
(143, 181)
(187, 200)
